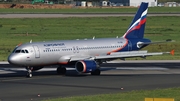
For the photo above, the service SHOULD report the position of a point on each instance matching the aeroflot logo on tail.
(137, 25)
(54, 44)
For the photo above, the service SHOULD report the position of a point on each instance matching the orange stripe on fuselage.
(116, 50)
(63, 63)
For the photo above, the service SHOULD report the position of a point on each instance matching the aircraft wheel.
(96, 72)
(29, 75)
(61, 70)
(29, 71)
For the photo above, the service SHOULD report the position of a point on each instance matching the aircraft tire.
(61, 70)
(29, 75)
(96, 72)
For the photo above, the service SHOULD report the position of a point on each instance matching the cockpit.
(20, 50)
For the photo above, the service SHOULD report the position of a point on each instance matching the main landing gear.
(96, 72)
(61, 70)
(29, 71)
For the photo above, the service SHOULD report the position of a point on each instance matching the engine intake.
(86, 66)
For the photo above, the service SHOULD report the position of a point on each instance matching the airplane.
(86, 55)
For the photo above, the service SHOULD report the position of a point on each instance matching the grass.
(93, 10)
(17, 30)
(127, 96)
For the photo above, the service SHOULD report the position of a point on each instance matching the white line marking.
(141, 68)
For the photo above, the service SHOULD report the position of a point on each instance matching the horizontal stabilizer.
(141, 44)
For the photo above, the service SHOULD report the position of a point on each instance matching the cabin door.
(37, 53)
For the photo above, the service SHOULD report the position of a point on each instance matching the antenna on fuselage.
(93, 37)
(30, 41)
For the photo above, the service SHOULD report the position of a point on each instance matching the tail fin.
(136, 28)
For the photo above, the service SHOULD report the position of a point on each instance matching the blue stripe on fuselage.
(134, 44)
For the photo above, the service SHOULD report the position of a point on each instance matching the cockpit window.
(26, 51)
(17, 51)
(21, 51)
(14, 50)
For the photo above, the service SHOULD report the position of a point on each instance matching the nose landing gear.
(29, 71)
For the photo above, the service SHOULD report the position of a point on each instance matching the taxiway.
(129, 75)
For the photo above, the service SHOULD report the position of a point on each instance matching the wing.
(130, 54)
(117, 55)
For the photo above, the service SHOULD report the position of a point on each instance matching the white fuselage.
(60, 52)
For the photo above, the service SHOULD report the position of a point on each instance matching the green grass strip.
(17, 30)
(127, 96)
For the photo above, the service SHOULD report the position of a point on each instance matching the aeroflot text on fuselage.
(54, 44)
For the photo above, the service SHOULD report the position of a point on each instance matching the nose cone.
(12, 59)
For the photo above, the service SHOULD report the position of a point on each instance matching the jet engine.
(86, 66)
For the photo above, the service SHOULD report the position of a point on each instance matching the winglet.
(172, 52)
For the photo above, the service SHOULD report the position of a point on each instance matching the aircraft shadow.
(70, 73)
(73, 73)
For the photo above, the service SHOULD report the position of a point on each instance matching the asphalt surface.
(129, 75)
(79, 15)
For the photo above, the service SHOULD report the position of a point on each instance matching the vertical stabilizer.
(137, 27)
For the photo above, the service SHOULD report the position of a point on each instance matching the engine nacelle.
(86, 66)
